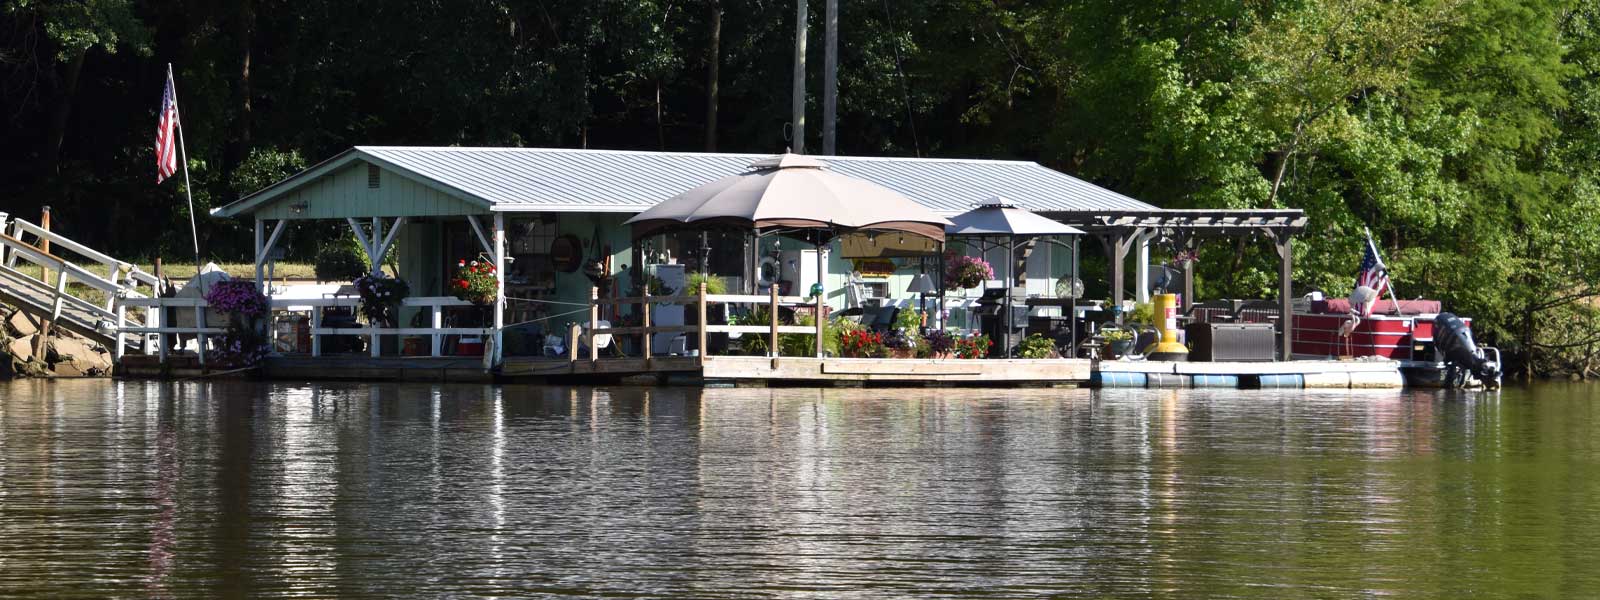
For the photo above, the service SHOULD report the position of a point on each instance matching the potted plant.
(862, 344)
(475, 282)
(966, 271)
(900, 343)
(1118, 342)
(243, 342)
(1037, 346)
(941, 344)
(976, 346)
(380, 298)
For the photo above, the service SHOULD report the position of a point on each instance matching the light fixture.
(922, 284)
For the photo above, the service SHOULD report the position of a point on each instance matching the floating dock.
(802, 371)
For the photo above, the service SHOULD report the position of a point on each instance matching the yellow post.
(644, 319)
(1165, 311)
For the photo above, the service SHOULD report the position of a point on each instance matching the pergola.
(1122, 231)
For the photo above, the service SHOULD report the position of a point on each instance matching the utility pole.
(830, 77)
(798, 125)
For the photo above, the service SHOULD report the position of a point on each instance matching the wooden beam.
(360, 235)
(477, 229)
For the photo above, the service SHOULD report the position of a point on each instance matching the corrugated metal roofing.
(548, 179)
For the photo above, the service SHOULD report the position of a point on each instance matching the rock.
(22, 348)
(76, 358)
(21, 325)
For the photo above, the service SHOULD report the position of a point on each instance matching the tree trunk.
(661, 131)
(238, 146)
(50, 159)
(713, 66)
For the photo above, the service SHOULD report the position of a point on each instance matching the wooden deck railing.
(701, 301)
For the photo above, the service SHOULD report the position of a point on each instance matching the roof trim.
(250, 203)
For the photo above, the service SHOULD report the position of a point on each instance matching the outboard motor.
(1461, 357)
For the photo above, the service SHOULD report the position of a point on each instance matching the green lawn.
(178, 274)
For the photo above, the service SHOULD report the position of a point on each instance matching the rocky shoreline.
(65, 354)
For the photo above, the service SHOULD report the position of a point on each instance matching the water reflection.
(138, 488)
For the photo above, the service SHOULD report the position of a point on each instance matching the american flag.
(166, 136)
(1373, 274)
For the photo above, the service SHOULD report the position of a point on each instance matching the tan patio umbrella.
(792, 191)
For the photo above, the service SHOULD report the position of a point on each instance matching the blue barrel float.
(1215, 381)
(1283, 381)
(1166, 380)
(1119, 379)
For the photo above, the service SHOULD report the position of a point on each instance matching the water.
(229, 489)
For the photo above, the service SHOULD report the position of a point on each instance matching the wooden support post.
(594, 323)
(44, 242)
(436, 321)
(572, 343)
(644, 319)
(316, 339)
(55, 313)
(1285, 246)
(200, 336)
(44, 277)
(498, 255)
(1188, 276)
(820, 323)
(260, 248)
(116, 338)
(701, 304)
(772, 340)
(4, 251)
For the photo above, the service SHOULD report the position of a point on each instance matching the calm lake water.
(230, 489)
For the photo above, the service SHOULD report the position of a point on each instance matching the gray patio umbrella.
(1000, 218)
(794, 192)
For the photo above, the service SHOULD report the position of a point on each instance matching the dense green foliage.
(1464, 133)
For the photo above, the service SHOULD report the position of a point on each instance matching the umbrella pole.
(1011, 284)
(941, 321)
(822, 289)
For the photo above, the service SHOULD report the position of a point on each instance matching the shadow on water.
(228, 489)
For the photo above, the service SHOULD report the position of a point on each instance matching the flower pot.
(1119, 348)
(902, 353)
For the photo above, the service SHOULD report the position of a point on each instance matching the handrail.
(59, 240)
(56, 263)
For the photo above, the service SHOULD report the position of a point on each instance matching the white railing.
(14, 250)
(434, 305)
(436, 330)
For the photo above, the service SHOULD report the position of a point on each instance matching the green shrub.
(340, 259)
(714, 284)
(1036, 346)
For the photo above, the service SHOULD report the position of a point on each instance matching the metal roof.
(551, 179)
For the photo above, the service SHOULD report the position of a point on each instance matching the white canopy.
(998, 216)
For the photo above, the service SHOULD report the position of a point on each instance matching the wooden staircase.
(61, 298)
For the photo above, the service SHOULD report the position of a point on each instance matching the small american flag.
(166, 136)
(1373, 274)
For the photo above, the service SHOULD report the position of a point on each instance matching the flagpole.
(194, 232)
(1396, 309)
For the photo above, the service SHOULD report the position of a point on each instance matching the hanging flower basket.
(475, 281)
(380, 298)
(966, 271)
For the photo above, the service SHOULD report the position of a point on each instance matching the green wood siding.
(345, 193)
